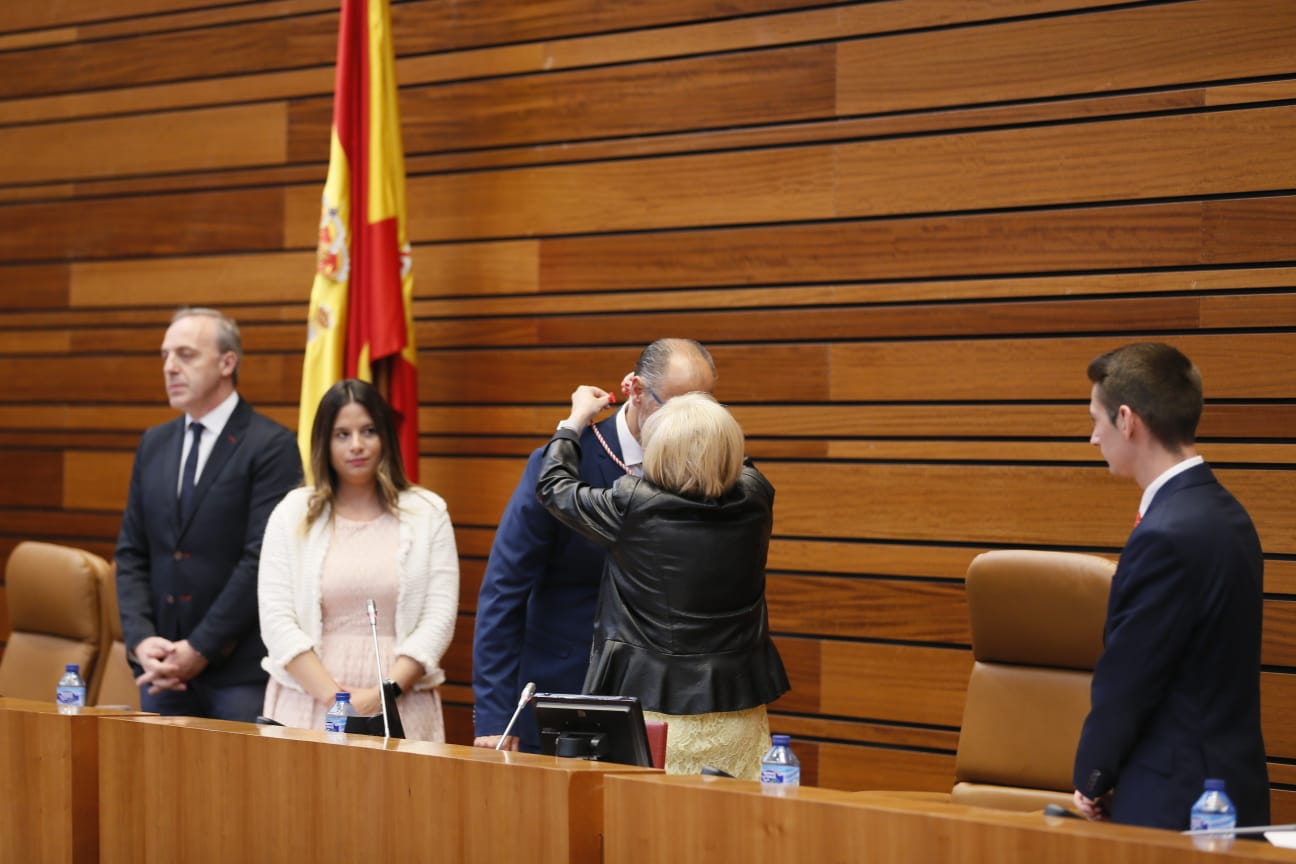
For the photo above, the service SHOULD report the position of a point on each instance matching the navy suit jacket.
(1176, 693)
(535, 610)
(197, 580)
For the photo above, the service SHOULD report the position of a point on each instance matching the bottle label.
(780, 775)
(335, 723)
(1209, 821)
(70, 696)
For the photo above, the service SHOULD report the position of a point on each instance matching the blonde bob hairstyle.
(693, 447)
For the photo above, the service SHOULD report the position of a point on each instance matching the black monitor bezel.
(618, 717)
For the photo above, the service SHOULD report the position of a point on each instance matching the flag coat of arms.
(360, 323)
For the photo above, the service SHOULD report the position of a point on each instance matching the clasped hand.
(167, 665)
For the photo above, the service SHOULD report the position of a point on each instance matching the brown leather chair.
(1037, 625)
(53, 595)
(115, 684)
(1037, 628)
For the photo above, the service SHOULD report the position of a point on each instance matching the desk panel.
(701, 820)
(180, 789)
(49, 789)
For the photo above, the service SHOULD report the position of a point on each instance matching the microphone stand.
(382, 690)
(527, 692)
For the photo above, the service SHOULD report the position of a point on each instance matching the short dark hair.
(391, 477)
(1158, 383)
(654, 361)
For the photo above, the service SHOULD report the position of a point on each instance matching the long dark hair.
(391, 478)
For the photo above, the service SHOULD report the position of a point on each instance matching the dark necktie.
(190, 469)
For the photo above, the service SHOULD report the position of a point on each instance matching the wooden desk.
(179, 789)
(702, 820)
(49, 787)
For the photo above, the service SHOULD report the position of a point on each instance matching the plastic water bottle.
(1213, 811)
(71, 692)
(780, 768)
(336, 719)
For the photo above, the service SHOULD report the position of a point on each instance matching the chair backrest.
(54, 611)
(1037, 630)
(115, 684)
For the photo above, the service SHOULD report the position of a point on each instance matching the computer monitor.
(601, 728)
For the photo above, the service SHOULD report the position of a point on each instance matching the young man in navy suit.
(1176, 693)
(535, 610)
(201, 490)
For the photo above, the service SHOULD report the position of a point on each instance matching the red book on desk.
(657, 730)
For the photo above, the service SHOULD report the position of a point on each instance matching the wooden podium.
(703, 820)
(49, 782)
(180, 789)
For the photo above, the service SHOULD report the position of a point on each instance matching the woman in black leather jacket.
(681, 622)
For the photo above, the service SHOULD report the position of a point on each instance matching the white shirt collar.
(1155, 486)
(215, 419)
(631, 451)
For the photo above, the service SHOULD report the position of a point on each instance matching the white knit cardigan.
(292, 560)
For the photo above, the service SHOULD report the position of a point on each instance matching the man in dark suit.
(1176, 693)
(535, 610)
(201, 490)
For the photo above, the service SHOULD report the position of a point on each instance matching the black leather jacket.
(681, 620)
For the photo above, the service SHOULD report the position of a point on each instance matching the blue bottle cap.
(781, 740)
(1214, 785)
(342, 697)
(73, 667)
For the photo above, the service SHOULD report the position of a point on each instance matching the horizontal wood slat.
(1067, 55)
(860, 768)
(1148, 235)
(214, 138)
(876, 682)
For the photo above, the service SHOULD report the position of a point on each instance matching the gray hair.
(655, 359)
(227, 332)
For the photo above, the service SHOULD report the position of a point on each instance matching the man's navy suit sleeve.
(274, 469)
(1149, 623)
(518, 558)
(134, 591)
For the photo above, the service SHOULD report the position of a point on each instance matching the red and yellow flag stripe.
(361, 312)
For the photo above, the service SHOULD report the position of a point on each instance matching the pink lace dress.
(360, 564)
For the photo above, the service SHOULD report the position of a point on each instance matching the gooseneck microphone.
(527, 692)
(372, 609)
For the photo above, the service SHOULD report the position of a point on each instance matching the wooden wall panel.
(903, 228)
(214, 138)
(1102, 51)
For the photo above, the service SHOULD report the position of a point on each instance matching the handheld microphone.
(372, 609)
(527, 692)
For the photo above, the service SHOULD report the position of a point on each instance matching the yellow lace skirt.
(733, 741)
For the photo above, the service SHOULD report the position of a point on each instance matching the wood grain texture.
(1131, 237)
(427, 796)
(903, 228)
(874, 681)
(49, 766)
(215, 138)
(688, 820)
(1066, 55)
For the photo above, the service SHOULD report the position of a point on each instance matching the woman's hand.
(366, 701)
(586, 402)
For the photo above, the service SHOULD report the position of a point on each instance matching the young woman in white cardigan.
(363, 531)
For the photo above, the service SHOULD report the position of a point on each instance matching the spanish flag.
(361, 320)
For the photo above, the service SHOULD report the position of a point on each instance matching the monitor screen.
(602, 728)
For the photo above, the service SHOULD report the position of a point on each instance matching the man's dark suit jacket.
(535, 610)
(1176, 692)
(197, 581)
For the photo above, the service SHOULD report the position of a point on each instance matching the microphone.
(527, 692)
(372, 609)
